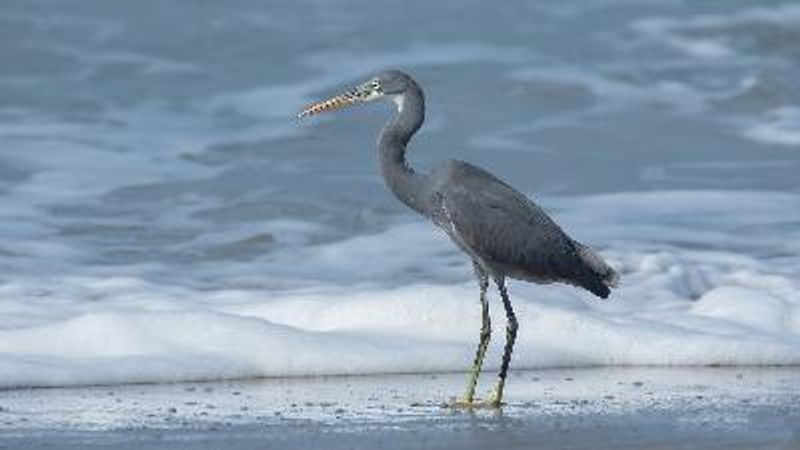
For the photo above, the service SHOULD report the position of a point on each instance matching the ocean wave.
(709, 278)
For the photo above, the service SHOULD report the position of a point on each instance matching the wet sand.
(604, 408)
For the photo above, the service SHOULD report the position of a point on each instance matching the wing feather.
(500, 225)
(512, 235)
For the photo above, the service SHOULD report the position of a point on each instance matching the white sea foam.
(703, 39)
(707, 278)
(780, 126)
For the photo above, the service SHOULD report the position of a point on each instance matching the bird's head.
(391, 84)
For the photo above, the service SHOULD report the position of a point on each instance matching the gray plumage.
(504, 233)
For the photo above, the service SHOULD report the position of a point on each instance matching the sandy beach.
(628, 408)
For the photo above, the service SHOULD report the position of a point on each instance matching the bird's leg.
(485, 336)
(496, 398)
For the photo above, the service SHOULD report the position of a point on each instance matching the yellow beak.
(340, 101)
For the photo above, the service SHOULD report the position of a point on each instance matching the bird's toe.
(464, 404)
(461, 403)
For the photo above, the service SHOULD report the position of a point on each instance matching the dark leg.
(485, 336)
(511, 336)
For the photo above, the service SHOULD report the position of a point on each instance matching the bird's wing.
(499, 224)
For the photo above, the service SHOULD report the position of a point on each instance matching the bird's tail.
(606, 277)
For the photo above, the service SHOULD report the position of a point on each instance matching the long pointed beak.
(340, 101)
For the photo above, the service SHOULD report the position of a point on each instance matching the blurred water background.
(150, 159)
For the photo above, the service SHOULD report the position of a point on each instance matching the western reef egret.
(504, 233)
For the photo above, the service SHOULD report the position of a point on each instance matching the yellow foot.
(474, 404)
(461, 403)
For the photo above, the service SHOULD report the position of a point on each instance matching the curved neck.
(407, 185)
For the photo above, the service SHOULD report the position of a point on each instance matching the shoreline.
(334, 376)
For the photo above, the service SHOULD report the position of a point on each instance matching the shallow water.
(166, 217)
(630, 408)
